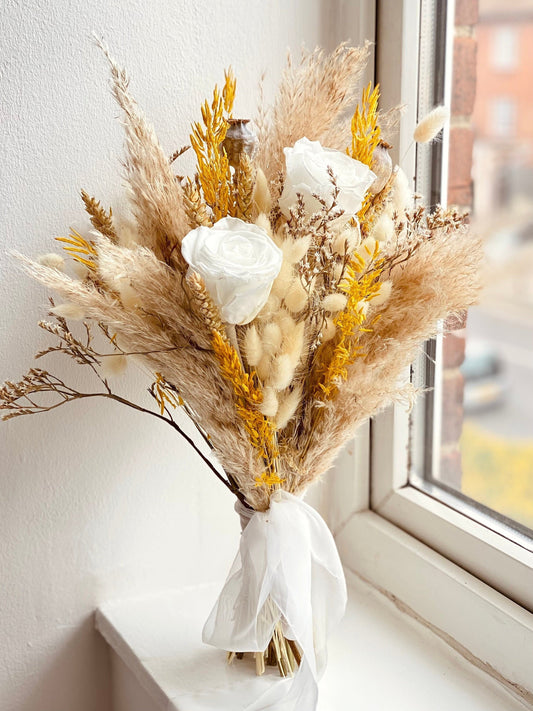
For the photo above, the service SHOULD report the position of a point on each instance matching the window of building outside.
(503, 117)
(477, 449)
(504, 47)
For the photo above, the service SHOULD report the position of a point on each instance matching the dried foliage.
(276, 398)
(100, 219)
(206, 139)
(366, 132)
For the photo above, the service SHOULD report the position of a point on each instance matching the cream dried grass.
(312, 99)
(156, 196)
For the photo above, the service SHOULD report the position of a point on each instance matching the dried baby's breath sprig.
(100, 219)
(448, 219)
(195, 207)
(25, 397)
(212, 163)
(82, 250)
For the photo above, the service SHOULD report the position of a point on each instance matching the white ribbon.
(287, 569)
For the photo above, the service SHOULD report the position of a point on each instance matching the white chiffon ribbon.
(287, 569)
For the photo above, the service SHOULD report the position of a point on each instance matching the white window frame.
(473, 586)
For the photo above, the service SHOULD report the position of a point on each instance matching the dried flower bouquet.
(277, 295)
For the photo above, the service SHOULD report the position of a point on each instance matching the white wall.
(99, 502)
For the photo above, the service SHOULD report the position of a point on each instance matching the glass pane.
(478, 423)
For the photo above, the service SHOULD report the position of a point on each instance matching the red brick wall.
(460, 193)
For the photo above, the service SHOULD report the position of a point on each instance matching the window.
(504, 49)
(421, 526)
(503, 116)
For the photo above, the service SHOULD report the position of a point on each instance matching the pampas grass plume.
(128, 296)
(69, 310)
(253, 348)
(428, 128)
(52, 260)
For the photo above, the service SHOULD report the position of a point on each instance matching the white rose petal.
(307, 174)
(238, 262)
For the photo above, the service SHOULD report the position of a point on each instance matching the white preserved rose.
(307, 174)
(238, 262)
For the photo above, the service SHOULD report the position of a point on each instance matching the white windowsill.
(379, 658)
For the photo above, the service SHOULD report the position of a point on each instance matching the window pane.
(478, 423)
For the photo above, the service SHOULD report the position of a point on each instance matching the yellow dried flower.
(268, 479)
(77, 246)
(212, 163)
(361, 285)
(365, 130)
(165, 394)
(248, 395)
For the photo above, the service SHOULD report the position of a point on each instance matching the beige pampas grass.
(431, 125)
(312, 100)
(156, 195)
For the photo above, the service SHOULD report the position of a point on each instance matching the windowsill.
(379, 658)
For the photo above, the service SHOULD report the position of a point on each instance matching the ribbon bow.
(287, 569)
